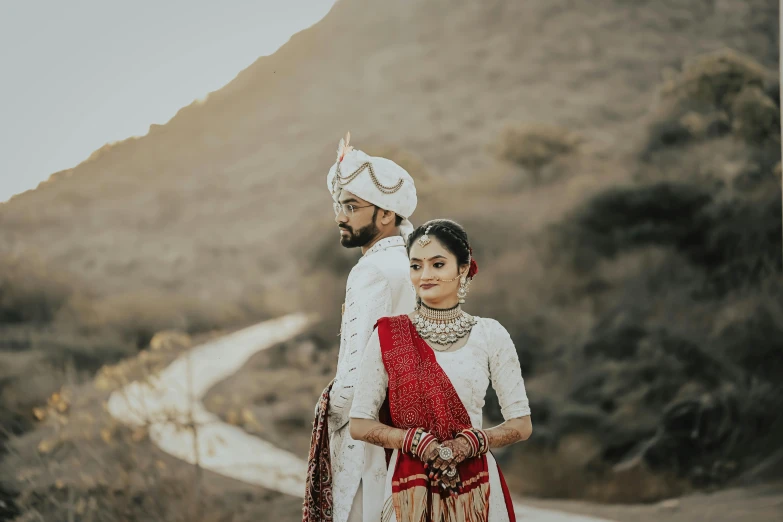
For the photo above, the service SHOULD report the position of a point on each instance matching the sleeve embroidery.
(371, 301)
(506, 374)
(373, 381)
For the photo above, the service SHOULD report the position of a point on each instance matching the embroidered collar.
(387, 242)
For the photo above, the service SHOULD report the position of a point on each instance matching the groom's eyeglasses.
(347, 208)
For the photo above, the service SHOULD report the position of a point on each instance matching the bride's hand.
(449, 479)
(460, 448)
(431, 454)
(460, 451)
(434, 463)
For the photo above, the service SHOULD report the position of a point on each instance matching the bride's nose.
(427, 273)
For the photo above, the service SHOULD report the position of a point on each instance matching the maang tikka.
(425, 240)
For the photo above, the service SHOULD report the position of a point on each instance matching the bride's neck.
(444, 304)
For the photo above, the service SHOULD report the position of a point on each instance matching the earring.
(462, 292)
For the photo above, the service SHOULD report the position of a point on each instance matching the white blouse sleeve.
(373, 382)
(506, 373)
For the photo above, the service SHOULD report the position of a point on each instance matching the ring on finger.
(445, 453)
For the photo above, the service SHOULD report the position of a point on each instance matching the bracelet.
(473, 441)
(426, 440)
(484, 441)
(407, 440)
(416, 441)
(411, 440)
(477, 440)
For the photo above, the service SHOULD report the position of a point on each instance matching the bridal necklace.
(442, 327)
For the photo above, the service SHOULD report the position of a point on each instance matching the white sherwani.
(378, 286)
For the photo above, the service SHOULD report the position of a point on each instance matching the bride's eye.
(415, 267)
(439, 265)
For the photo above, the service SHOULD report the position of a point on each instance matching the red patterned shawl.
(317, 505)
(421, 395)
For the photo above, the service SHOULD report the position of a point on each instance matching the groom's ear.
(387, 217)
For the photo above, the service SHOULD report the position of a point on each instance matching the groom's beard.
(360, 237)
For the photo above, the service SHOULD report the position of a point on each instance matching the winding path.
(173, 398)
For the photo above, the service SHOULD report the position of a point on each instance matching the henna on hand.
(460, 452)
(447, 482)
(460, 448)
(385, 437)
(431, 453)
(501, 436)
(437, 465)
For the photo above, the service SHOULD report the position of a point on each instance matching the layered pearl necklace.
(443, 327)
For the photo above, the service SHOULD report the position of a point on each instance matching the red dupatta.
(421, 395)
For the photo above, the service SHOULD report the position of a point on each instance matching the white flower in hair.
(344, 147)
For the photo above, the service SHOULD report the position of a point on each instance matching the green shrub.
(716, 93)
(534, 146)
(717, 78)
(756, 117)
(30, 291)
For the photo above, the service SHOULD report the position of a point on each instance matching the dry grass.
(54, 332)
(79, 464)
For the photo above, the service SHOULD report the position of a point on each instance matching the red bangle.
(477, 439)
(472, 440)
(484, 447)
(407, 440)
(424, 443)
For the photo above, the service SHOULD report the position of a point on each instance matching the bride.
(423, 379)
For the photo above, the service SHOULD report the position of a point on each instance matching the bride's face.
(432, 266)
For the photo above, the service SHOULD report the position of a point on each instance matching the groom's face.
(356, 220)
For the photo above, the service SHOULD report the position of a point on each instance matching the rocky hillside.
(224, 193)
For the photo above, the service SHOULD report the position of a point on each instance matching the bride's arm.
(506, 376)
(511, 431)
(377, 433)
(368, 397)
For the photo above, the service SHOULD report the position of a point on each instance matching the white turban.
(376, 180)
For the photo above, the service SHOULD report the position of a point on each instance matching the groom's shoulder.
(388, 264)
(392, 263)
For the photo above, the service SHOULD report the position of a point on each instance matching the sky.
(79, 74)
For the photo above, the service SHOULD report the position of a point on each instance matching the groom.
(373, 197)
